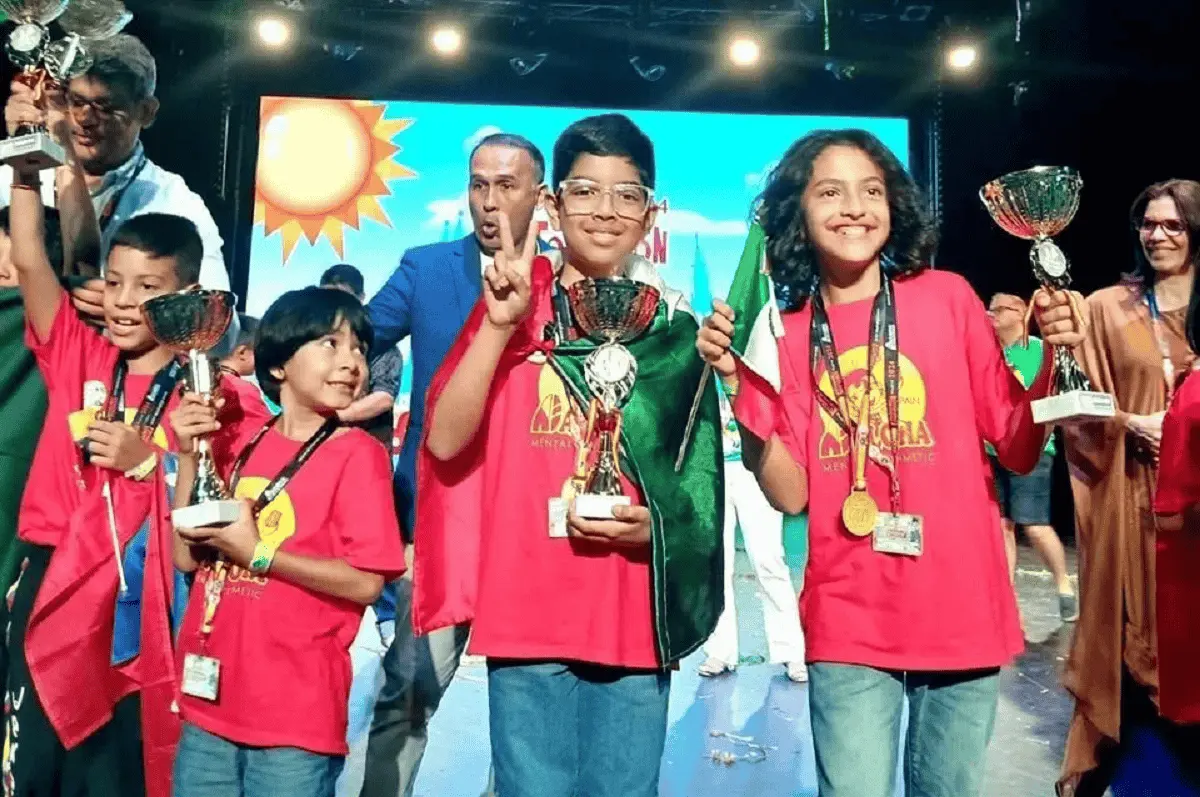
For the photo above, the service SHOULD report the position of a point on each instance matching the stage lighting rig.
(525, 65)
(649, 72)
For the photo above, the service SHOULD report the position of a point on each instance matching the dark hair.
(343, 275)
(794, 269)
(247, 328)
(516, 142)
(163, 235)
(53, 237)
(607, 134)
(123, 61)
(300, 317)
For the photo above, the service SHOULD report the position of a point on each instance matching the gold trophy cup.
(191, 323)
(613, 311)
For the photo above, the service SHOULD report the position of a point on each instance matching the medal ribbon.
(1160, 337)
(154, 403)
(883, 336)
(216, 583)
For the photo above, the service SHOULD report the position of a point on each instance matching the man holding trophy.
(550, 511)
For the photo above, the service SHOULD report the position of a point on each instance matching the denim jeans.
(209, 766)
(856, 720)
(576, 730)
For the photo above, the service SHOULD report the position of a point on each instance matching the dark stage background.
(1105, 86)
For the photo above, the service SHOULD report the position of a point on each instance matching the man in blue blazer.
(429, 298)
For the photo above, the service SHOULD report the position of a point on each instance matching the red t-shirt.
(1178, 557)
(952, 607)
(543, 597)
(284, 649)
(74, 360)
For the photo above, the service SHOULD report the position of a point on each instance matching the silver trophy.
(31, 147)
(192, 322)
(613, 311)
(86, 22)
(1037, 204)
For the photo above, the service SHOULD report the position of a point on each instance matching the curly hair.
(794, 268)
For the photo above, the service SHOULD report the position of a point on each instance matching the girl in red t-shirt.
(279, 594)
(906, 597)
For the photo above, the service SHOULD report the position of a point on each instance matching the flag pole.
(691, 421)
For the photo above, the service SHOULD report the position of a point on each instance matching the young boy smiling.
(581, 619)
(94, 598)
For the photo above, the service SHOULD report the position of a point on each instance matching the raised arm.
(35, 274)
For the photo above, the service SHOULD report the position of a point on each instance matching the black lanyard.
(883, 336)
(154, 403)
(105, 215)
(277, 485)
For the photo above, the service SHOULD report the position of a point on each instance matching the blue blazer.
(428, 297)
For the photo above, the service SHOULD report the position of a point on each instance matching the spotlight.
(744, 51)
(841, 70)
(273, 32)
(647, 72)
(446, 40)
(962, 57)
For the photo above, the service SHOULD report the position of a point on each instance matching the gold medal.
(859, 513)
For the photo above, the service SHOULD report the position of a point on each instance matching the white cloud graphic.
(758, 179)
(479, 135)
(690, 222)
(447, 210)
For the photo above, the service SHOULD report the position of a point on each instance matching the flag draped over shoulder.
(686, 508)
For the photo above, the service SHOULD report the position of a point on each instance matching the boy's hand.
(506, 283)
(89, 299)
(236, 541)
(630, 529)
(117, 446)
(193, 418)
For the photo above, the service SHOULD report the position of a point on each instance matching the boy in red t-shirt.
(95, 598)
(890, 381)
(280, 593)
(580, 617)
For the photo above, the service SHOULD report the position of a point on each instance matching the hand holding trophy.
(614, 311)
(192, 322)
(1036, 204)
(45, 65)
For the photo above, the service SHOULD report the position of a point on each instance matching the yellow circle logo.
(277, 521)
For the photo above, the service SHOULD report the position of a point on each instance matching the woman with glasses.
(1135, 349)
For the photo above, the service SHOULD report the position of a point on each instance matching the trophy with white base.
(1036, 204)
(191, 323)
(614, 311)
(31, 147)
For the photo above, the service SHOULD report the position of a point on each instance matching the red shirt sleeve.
(365, 511)
(63, 356)
(1001, 402)
(242, 416)
(1179, 463)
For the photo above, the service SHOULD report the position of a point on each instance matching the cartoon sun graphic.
(322, 166)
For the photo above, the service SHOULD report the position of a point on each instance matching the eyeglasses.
(103, 110)
(1171, 227)
(629, 200)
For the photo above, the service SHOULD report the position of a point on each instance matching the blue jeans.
(856, 717)
(209, 766)
(560, 729)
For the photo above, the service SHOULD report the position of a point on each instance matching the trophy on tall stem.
(192, 322)
(46, 65)
(614, 311)
(1036, 204)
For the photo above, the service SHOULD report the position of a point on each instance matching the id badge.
(557, 517)
(898, 534)
(201, 675)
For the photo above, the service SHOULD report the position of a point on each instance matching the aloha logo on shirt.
(80, 420)
(916, 437)
(555, 423)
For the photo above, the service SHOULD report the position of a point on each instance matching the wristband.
(143, 470)
(264, 553)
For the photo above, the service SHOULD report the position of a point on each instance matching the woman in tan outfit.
(1135, 347)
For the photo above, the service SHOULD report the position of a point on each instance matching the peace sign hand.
(506, 283)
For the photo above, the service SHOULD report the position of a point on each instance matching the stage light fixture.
(273, 31)
(446, 40)
(523, 65)
(744, 51)
(962, 57)
(648, 72)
